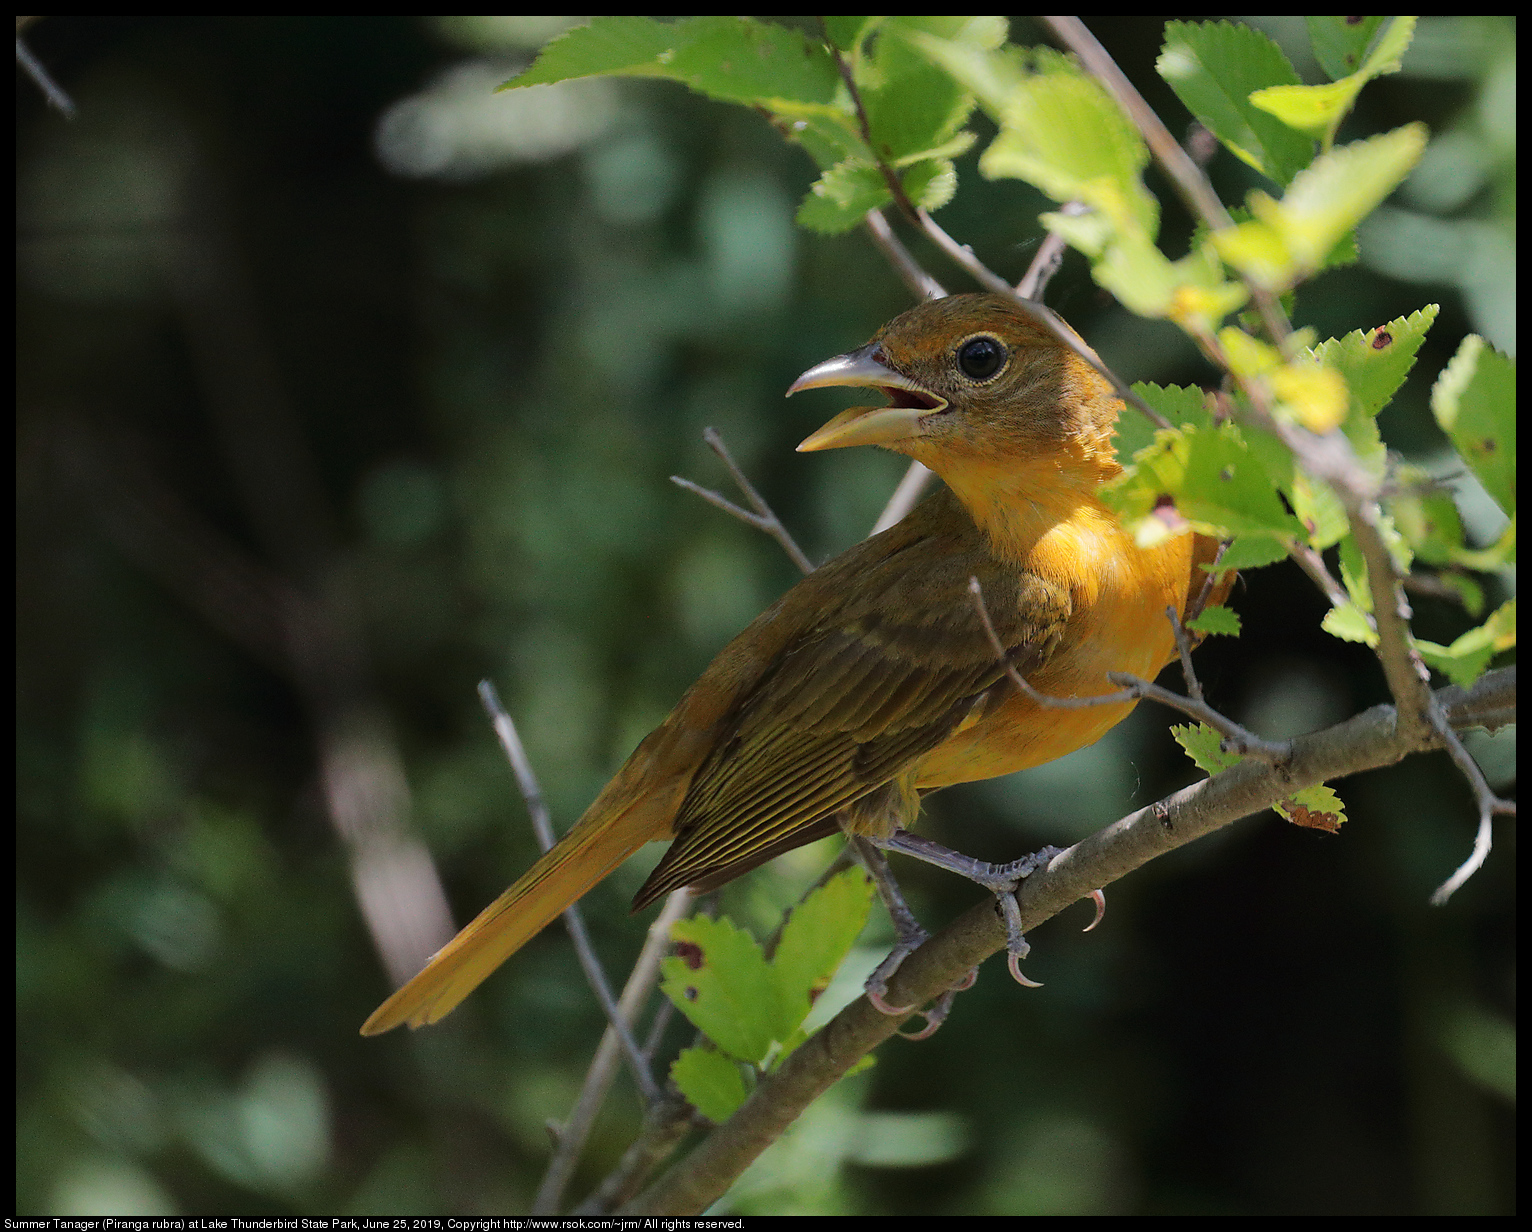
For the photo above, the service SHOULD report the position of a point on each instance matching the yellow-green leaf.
(1474, 401)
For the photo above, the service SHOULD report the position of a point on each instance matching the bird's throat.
(1018, 501)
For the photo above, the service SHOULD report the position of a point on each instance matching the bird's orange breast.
(1117, 624)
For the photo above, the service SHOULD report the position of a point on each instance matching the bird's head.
(972, 379)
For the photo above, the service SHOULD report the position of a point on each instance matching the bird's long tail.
(607, 834)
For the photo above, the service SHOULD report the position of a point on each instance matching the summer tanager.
(872, 680)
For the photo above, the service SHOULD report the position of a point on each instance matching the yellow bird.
(872, 681)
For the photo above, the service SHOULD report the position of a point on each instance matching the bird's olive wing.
(885, 673)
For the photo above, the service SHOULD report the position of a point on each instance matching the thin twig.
(657, 1028)
(1047, 260)
(890, 176)
(1313, 564)
(763, 519)
(964, 256)
(1366, 741)
(665, 1124)
(1184, 649)
(916, 477)
(574, 920)
(986, 277)
(1488, 804)
(43, 80)
(910, 271)
(1432, 586)
(603, 1066)
(1328, 457)
(1132, 688)
(1199, 605)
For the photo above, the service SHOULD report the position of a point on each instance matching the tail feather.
(601, 841)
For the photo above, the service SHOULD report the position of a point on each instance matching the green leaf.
(734, 59)
(720, 980)
(819, 933)
(607, 45)
(1350, 624)
(1426, 515)
(1062, 132)
(931, 183)
(1290, 239)
(1217, 619)
(1469, 593)
(1466, 659)
(1319, 509)
(839, 199)
(1314, 110)
(847, 33)
(712, 1083)
(1211, 478)
(1315, 808)
(1202, 743)
(1133, 270)
(914, 110)
(1340, 42)
(984, 33)
(1474, 401)
(1252, 552)
(1179, 404)
(1213, 67)
(991, 75)
(1354, 576)
(1375, 362)
(1319, 109)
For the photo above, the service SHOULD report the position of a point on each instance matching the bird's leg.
(1001, 880)
(910, 936)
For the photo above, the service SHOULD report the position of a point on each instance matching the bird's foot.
(1003, 880)
(910, 936)
(877, 990)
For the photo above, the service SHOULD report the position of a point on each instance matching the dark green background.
(487, 375)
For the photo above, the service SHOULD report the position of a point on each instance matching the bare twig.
(1184, 649)
(986, 277)
(665, 1124)
(913, 274)
(1199, 605)
(762, 519)
(1364, 742)
(1488, 804)
(42, 79)
(1132, 688)
(890, 176)
(603, 1066)
(916, 477)
(1328, 457)
(1184, 172)
(1432, 586)
(574, 919)
(1047, 260)
(1313, 564)
(964, 256)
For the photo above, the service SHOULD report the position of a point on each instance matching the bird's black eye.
(981, 357)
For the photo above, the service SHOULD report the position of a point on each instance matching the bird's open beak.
(902, 419)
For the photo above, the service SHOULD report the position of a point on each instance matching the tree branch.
(1363, 742)
(574, 919)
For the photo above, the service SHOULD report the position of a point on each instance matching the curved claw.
(883, 1007)
(934, 1017)
(1013, 962)
(1099, 898)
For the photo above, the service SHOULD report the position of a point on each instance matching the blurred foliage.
(499, 323)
